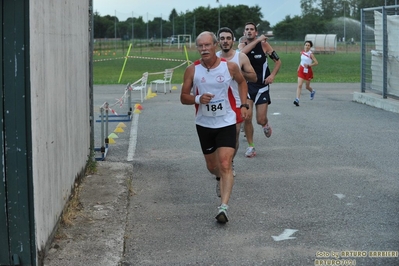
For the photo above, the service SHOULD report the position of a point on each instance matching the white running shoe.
(250, 152)
(221, 217)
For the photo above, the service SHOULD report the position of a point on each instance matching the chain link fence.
(380, 50)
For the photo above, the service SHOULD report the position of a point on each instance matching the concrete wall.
(59, 65)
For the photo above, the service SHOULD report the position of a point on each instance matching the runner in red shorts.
(305, 72)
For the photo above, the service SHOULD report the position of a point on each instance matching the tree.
(309, 7)
(189, 22)
(296, 28)
(289, 29)
(328, 9)
(237, 16)
(103, 26)
(172, 15)
(357, 5)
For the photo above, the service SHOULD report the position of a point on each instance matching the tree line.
(317, 16)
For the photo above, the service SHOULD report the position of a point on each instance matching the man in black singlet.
(257, 49)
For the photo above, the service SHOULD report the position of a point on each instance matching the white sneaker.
(221, 217)
(250, 152)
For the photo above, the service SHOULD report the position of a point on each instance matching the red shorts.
(239, 118)
(305, 76)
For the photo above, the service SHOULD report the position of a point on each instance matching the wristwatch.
(244, 105)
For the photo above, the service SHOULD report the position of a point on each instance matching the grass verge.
(332, 68)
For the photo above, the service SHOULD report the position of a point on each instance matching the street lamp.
(217, 1)
(344, 23)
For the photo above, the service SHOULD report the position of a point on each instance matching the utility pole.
(217, 1)
(344, 23)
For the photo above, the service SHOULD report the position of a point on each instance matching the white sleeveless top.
(305, 58)
(234, 84)
(220, 111)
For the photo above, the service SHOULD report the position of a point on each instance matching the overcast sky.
(273, 11)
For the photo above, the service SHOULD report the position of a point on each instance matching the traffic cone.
(149, 94)
(118, 130)
(113, 136)
(122, 125)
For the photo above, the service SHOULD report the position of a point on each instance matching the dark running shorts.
(213, 138)
(258, 97)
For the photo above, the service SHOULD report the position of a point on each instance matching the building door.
(17, 240)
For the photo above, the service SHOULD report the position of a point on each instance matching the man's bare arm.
(185, 96)
(235, 72)
(277, 62)
(251, 45)
(247, 69)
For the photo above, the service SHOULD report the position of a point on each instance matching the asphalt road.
(323, 187)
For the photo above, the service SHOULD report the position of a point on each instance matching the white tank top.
(220, 111)
(234, 84)
(305, 58)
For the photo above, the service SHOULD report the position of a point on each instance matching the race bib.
(305, 70)
(214, 108)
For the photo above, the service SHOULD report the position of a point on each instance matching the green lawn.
(338, 67)
(332, 68)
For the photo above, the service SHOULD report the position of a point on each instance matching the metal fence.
(380, 50)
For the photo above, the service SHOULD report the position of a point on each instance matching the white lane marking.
(285, 235)
(340, 196)
(133, 138)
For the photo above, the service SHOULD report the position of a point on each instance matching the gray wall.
(59, 58)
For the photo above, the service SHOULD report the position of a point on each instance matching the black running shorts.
(213, 138)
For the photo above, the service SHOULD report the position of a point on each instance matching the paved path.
(323, 187)
(329, 173)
